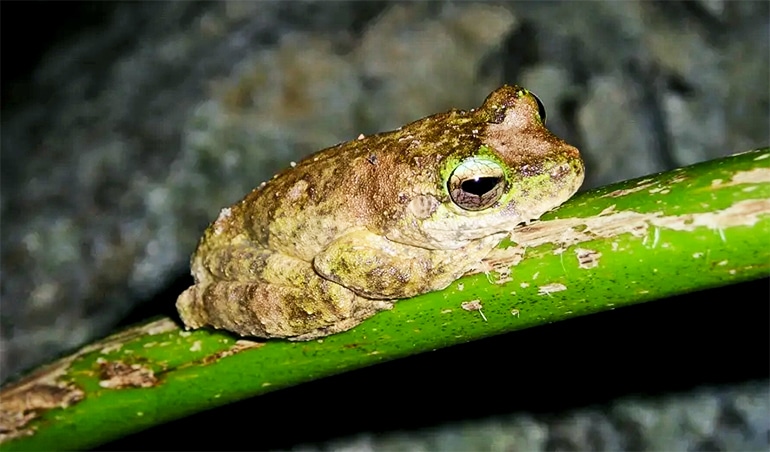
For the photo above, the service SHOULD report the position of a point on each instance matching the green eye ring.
(477, 183)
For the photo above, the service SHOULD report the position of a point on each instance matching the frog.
(348, 231)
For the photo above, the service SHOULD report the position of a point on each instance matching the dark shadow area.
(162, 304)
(30, 29)
(707, 338)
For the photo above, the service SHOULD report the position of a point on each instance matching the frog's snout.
(569, 171)
(557, 178)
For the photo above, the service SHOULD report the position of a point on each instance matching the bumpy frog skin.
(351, 229)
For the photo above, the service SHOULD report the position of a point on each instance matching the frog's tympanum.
(349, 230)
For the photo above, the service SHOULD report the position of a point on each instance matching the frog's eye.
(476, 183)
(540, 107)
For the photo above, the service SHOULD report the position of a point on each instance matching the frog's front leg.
(375, 267)
(273, 295)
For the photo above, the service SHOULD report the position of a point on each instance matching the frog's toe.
(188, 306)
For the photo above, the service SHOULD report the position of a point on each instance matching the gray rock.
(129, 136)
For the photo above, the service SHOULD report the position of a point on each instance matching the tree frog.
(349, 230)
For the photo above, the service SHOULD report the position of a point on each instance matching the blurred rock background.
(127, 126)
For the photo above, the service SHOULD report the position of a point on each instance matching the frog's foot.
(190, 310)
(289, 300)
(366, 309)
(262, 309)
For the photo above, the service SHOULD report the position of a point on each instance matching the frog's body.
(350, 229)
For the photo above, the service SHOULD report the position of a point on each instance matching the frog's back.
(362, 183)
(305, 207)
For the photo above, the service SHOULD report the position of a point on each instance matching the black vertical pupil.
(480, 186)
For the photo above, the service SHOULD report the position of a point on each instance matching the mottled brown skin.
(355, 227)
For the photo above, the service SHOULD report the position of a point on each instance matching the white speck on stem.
(473, 305)
(548, 289)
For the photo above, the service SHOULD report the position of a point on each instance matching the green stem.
(702, 226)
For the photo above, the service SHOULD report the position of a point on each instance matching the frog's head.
(505, 168)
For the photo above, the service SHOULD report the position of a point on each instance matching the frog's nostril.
(559, 171)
